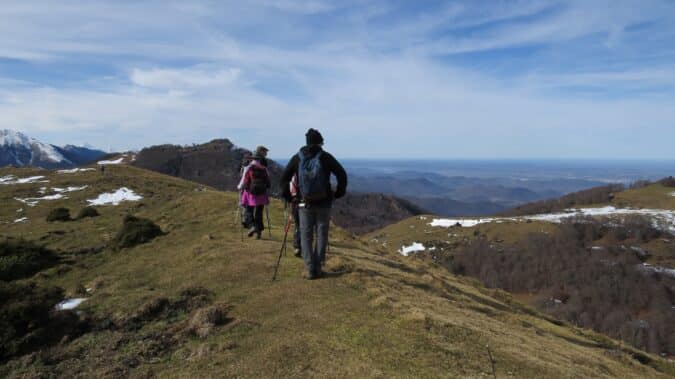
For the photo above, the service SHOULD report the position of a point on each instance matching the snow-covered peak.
(30, 150)
(11, 137)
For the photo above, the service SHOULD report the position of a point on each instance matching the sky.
(380, 79)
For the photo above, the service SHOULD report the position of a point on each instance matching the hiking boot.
(306, 274)
(258, 235)
(298, 253)
(252, 231)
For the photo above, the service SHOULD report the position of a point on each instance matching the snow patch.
(657, 269)
(22, 219)
(51, 153)
(33, 201)
(415, 247)
(672, 194)
(70, 304)
(11, 179)
(69, 189)
(663, 219)
(114, 198)
(74, 170)
(463, 222)
(116, 161)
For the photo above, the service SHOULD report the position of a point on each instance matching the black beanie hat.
(314, 137)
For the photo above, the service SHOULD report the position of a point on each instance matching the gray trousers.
(311, 218)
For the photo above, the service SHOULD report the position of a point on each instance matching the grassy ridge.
(375, 315)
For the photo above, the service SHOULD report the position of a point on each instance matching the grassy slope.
(417, 229)
(376, 315)
(654, 196)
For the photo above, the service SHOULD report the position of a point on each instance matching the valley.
(608, 266)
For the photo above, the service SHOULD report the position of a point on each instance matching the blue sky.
(380, 79)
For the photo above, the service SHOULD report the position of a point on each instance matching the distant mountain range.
(18, 149)
(461, 195)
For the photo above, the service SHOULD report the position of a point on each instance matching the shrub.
(21, 259)
(205, 320)
(87, 212)
(668, 182)
(586, 283)
(58, 214)
(25, 317)
(135, 231)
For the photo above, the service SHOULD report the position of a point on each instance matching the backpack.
(257, 179)
(313, 179)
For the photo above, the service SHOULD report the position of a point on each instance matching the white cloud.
(191, 78)
(201, 70)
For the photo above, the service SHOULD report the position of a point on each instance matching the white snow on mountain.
(646, 267)
(664, 219)
(415, 247)
(116, 161)
(11, 179)
(69, 189)
(463, 222)
(33, 201)
(74, 170)
(29, 151)
(10, 137)
(114, 198)
(70, 304)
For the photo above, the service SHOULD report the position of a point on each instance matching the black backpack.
(313, 179)
(258, 181)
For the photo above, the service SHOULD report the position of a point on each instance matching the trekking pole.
(269, 224)
(283, 247)
(285, 210)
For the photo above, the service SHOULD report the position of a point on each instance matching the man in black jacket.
(313, 167)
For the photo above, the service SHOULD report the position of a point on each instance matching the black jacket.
(330, 164)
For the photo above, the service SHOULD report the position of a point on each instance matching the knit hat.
(260, 152)
(314, 137)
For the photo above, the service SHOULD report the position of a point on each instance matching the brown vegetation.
(362, 213)
(600, 288)
(596, 195)
(135, 231)
(59, 214)
(87, 212)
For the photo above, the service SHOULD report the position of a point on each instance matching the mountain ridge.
(18, 149)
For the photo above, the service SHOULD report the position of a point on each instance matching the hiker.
(313, 167)
(254, 183)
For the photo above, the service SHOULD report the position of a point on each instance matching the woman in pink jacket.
(254, 184)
